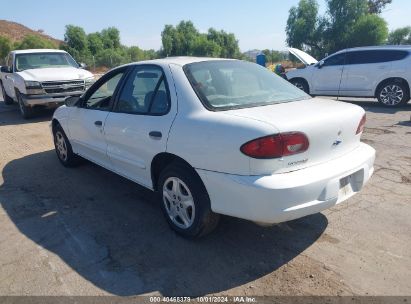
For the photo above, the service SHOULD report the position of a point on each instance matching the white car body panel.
(283, 197)
(86, 138)
(129, 145)
(268, 191)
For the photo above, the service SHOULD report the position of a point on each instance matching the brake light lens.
(361, 126)
(276, 146)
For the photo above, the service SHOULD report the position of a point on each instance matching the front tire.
(63, 148)
(185, 201)
(25, 111)
(6, 98)
(301, 84)
(393, 94)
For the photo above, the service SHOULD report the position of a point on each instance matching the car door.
(137, 129)
(326, 77)
(363, 71)
(87, 121)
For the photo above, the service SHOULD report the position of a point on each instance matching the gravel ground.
(86, 231)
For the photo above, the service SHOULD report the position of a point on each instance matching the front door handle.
(98, 123)
(155, 134)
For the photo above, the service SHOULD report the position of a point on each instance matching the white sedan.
(217, 137)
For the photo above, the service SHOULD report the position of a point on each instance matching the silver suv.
(382, 72)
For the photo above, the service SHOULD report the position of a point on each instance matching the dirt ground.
(86, 231)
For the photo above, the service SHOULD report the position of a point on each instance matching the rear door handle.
(155, 134)
(98, 123)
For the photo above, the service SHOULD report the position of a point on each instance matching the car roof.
(379, 47)
(180, 61)
(30, 51)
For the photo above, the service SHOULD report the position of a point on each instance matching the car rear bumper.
(282, 197)
(48, 100)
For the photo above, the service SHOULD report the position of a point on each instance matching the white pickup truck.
(41, 78)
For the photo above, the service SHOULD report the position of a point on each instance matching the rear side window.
(375, 56)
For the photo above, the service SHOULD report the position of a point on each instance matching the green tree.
(368, 30)
(204, 47)
(346, 23)
(5, 48)
(34, 42)
(376, 6)
(227, 41)
(111, 58)
(400, 36)
(302, 25)
(76, 38)
(342, 15)
(186, 40)
(76, 44)
(171, 41)
(95, 43)
(111, 38)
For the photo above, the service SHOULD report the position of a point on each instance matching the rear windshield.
(231, 84)
(43, 60)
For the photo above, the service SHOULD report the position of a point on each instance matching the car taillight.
(276, 146)
(361, 126)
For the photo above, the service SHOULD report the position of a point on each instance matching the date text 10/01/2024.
(205, 299)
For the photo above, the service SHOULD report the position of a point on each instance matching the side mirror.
(320, 64)
(72, 101)
(83, 65)
(6, 69)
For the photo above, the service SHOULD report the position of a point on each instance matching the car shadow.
(10, 115)
(112, 232)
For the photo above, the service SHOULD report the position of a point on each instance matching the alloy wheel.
(391, 95)
(178, 202)
(61, 146)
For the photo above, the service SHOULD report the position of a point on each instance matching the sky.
(256, 24)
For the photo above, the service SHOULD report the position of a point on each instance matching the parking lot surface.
(86, 231)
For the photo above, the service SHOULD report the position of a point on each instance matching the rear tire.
(301, 84)
(63, 148)
(185, 201)
(6, 98)
(393, 94)
(25, 111)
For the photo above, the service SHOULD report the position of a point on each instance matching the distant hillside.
(16, 32)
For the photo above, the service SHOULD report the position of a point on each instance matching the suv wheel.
(25, 111)
(393, 94)
(7, 99)
(185, 202)
(301, 84)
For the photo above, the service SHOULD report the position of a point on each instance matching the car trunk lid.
(330, 127)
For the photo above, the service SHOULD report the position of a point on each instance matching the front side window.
(229, 84)
(43, 60)
(145, 92)
(101, 98)
(335, 60)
